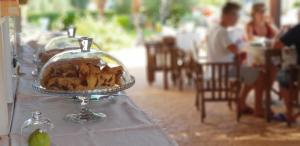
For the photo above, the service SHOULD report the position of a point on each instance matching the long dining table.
(125, 125)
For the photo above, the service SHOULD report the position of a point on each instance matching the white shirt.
(237, 36)
(218, 40)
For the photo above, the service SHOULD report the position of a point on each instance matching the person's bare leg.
(286, 95)
(260, 87)
(244, 93)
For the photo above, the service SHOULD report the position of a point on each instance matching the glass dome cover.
(83, 73)
(58, 45)
(44, 38)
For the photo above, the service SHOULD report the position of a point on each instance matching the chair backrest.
(169, 41)
(155, 54)
(161, 54)
(218, 79)
(170, 51)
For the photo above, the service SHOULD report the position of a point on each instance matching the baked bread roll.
(80, 74)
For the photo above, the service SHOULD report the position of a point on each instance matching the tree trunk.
(137, 20)
(100, 7)
(135, 6)
(164, 10)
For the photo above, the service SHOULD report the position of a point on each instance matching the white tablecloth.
(125, 125)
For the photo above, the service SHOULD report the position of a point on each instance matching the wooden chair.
(189, 65)
(186, 64)
(159, 59)
(182, 66)
(223, 86)
(169, 47)
(178, 65)
(154, 52)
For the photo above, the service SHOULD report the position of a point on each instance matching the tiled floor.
(175, 112)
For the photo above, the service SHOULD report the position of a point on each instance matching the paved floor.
(175, 112)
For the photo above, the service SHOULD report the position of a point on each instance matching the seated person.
(291, 38)
(285, 28)
(260, 25)
(222, 49)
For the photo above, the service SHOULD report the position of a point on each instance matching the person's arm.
(239, 56)
(288, 39)
(229, 45)
(279, 44)
(233, 49)
(226, 42)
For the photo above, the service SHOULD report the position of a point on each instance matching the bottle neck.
(36, 115)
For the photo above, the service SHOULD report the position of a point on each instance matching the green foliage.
(179, 9)
(114, 31)
(297, 4)
(53, 17)
(211, 2)
(49, 6)
(69, 19)
(80, 4)
(122, 6)
(60, 20)
(106, 33)
(124, 21)
(151, 9)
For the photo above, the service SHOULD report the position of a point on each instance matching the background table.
(125, 125)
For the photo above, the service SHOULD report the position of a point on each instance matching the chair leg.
(174, 77)
(230, 102)
(268, 106)
(188, 75)
(180, 78)
(231, 95)
(296, 97)
(197, 100)
(150, 75)
(203, 112)
(165, 74)
(238, 110)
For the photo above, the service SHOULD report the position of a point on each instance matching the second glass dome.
(58, 45)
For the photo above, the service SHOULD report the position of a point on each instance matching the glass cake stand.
(103, 59)
(85, 114)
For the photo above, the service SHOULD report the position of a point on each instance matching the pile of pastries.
(80, 74)
(45, 56)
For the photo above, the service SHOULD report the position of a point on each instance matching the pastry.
(80, 74)
(47, 55)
